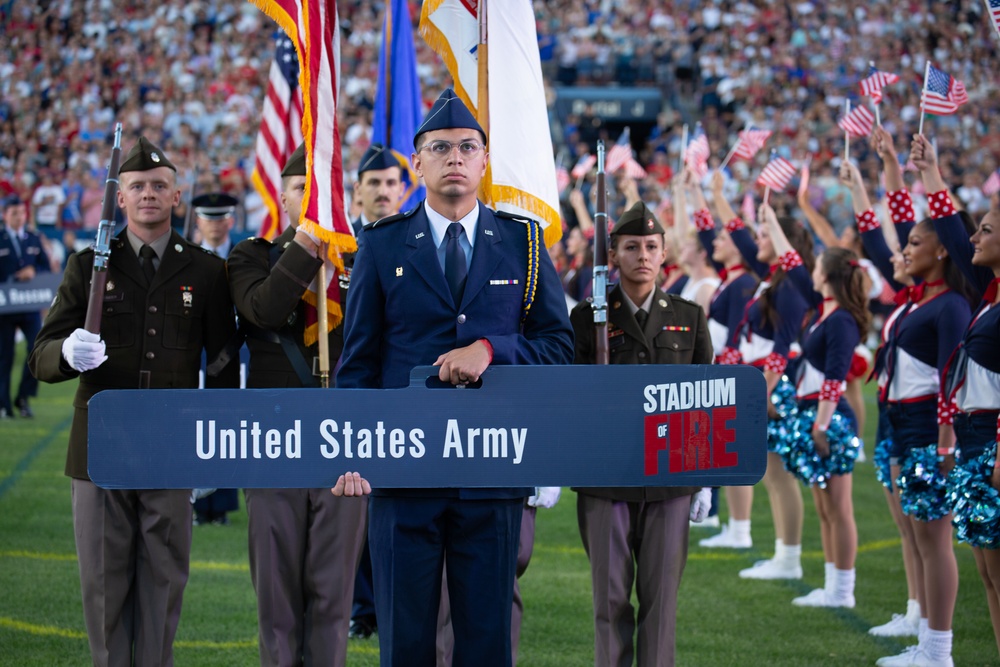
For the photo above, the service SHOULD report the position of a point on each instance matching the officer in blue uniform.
(380, 187)
(446, 284)
(21, 258)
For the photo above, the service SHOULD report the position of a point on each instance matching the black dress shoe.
(361, 629)
(22, 405)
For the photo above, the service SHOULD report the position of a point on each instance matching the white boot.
(734, 536)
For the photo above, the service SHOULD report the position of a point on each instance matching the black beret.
(377, 157)
(448, 112)
(637, 221)
(296, 165)
(214, 205)
(145, 155)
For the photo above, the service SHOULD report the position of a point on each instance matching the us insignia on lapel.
(399, 271)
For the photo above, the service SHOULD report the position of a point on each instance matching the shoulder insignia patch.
(388, 220)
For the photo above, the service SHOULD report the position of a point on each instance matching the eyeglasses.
(442, 148)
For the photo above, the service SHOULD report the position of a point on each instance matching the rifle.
(102, 244)
(600, 295)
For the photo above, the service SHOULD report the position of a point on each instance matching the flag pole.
(847, 135)
(322, 321)
(733, 149)
(878, 119)
(923, 91)
(684, 143)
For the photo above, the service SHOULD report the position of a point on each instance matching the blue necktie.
(16, 242)
(455, 270)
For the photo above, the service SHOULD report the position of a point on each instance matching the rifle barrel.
(102, 244)
(600, 291)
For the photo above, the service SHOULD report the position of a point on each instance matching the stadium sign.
(524, 426)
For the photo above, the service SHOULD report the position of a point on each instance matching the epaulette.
(389, 219)
(523, 219)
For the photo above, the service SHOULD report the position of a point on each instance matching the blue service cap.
(447, 113)
(377, 157)
(12, 200)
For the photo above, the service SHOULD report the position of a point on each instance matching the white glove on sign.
(701, 503)
(545, 496)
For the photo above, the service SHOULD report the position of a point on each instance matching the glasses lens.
(440, 147)
(468, 147)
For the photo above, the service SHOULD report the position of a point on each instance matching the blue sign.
(29, 296)
(524, 426)
(612, 104)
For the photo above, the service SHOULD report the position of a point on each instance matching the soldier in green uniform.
(166, 301)
(305, 544)
(639, 535)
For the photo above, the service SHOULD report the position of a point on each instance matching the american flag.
(696, 153)
(858, 123)
(314, 27)
(777, 173)
(620, 153)
(279, 134)
(992, 184)
(747, 209)
(583, 165)
(633, 169)
(873, 84)
(994, 9)
(943, 93)
(749, 142)
(562, 178)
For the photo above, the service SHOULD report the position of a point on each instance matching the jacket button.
(675, 346)
(152, 309)
(151, 332)
(642, 354)
(461, 318)
(150, 355)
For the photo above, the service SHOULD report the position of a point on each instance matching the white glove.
(701, 503)
(545, 496)
(84, 351)
(198, 494)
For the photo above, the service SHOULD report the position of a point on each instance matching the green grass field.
(723, 620)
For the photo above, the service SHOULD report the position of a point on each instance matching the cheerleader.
(703, 281)
(919, 344)
(836, 290)
(889, 261)
(725, 313)
(974, 372)
(770, 325)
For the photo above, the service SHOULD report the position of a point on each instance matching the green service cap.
(296, 165)
(145, 155)
(637, 221)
